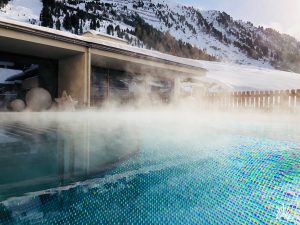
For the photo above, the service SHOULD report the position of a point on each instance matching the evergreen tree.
(93, 24)
(75, 21)
(81, 27)
(3, 3)
(67, 22)
(110, 29)
(46, 17)
(98, 24)
(57, 24)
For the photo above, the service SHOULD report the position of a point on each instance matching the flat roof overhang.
(43, 42)
(138, 66)
(12, 41)
(119, 58)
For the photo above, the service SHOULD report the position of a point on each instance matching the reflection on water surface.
(38, 154)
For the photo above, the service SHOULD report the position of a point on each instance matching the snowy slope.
(211, 44)
(251, 78)
(22, 10)
(203, 41)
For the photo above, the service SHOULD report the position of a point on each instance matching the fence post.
(235, 99)
(217, 101)
(261, 99)
(252, 94)
(298, 99)
(255, 99)
(238, 99)
(242, 99)
(276, 100)
(232, 100)
(266, 100)
(247, 99)
(284, 100)
(238, 96)
(226, 98)
(293, 100)
(271, 100)
(288, 99)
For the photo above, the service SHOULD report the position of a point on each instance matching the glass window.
(19, 74)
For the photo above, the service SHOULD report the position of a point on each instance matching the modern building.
(91, 67)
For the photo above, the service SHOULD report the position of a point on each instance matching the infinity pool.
(149, 168)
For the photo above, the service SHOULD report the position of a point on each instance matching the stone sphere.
(17, 105)
(38, 99)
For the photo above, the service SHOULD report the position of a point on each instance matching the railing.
(265, 100)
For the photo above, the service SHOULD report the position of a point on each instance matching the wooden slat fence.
(265, 100)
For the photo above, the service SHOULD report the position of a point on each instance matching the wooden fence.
(265, 100)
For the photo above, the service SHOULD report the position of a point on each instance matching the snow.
(99, 34)
(251, 78)
(22, 10)
(201, 39)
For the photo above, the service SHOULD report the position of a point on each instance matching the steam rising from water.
(181, 153)
(164, 120)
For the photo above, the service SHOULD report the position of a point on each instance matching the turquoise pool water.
(234, 172)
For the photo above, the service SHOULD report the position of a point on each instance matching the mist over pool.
(154, 166)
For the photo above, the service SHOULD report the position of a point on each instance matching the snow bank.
(250, 78)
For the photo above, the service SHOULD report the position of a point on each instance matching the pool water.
(232, 172)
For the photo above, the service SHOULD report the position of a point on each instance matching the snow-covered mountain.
(167, 27)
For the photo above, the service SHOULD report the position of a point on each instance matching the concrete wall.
(74, 77)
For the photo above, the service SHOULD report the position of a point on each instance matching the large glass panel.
(19, 74)
(124, 87)
(109, 84)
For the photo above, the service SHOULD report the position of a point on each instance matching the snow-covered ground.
(22, 10)
(251, 78)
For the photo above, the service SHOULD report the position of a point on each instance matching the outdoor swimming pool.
(149, 168)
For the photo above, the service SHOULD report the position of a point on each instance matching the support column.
(176, 89)
(74, 77)
(146, 83)
(88, 76)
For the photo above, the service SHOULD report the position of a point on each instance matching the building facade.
(91, 68)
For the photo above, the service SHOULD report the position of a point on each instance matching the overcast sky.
(283, 15)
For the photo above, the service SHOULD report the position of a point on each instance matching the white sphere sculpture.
(38, 99)
(17, 105)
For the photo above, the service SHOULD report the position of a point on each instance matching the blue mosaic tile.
(240, 180)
